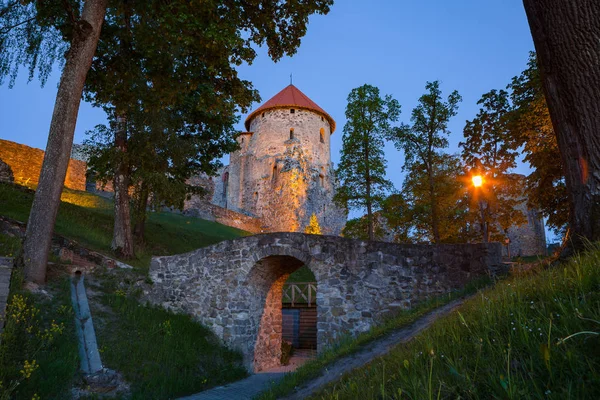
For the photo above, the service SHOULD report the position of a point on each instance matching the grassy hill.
(88, 219)
(532, 336)
(160, 354)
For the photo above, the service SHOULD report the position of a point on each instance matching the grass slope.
(530, 337)
(88, 218)
(161, 354)
(350, 344)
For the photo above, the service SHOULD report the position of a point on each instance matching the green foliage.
(9, 246)
(421, 143)
(531, 337)
(531, 127)
(162, 355)
(358, 228)
(361, 170)
(91, 225)
(38, 350)
(313, 227)
(489, 150)
(302, 274)
(287, 351)
(413, 222)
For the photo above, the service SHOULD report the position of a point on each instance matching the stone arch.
(265, 281)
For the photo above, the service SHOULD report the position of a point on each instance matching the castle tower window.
(275, 173)
(321, 180)
(292, 111)
(292, 133)
(263, 115)
(322, 135)
(242, 140)
(255, 196)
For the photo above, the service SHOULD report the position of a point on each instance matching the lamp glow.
(477, 180)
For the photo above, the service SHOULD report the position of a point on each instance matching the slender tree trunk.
(140, 213)
(122, 242)
(40, 226)
(370, 224)
(434, 212)
(566, 35)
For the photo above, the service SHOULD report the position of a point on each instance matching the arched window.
(322, 135)
(321, 180)
(242, 140)
(275, 173)
(291, 133)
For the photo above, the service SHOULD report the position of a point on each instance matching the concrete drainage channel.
(97, 378)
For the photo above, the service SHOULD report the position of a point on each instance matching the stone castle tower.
(283, 173)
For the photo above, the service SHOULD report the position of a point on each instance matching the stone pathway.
(5, 272)
(250, 387)
(245, 389)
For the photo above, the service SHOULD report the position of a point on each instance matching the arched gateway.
(235, 287)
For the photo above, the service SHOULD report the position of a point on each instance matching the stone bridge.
(235, 287)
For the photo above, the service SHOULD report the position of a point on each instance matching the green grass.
(530, 337)
(88, 219)
(161, 354)
(41, 329)
(350, 344)
(9, 245)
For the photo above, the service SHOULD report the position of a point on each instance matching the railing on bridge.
(304, 293)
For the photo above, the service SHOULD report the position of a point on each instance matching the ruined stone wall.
(282, 172)
(26, 164)
(6, 174)
(528, 239)
(234, 286)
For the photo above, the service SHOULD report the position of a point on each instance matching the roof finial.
(291, 79)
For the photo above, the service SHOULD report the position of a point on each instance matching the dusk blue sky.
(469, 45)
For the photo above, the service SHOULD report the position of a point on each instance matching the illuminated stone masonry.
(235, 287)
(283, 173)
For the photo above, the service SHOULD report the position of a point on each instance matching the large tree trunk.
(567, 40)
(122, 242)
(40, 226)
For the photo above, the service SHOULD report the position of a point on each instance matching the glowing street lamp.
(478, 183)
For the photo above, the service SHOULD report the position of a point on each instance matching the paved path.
(245, 389)
(5, 271)
(250, 387)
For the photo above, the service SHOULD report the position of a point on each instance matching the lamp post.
(478, 183)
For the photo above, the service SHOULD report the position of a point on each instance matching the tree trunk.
(122, 242)
(370, 225)
(140, 213)
(434, 214)
(566, 35)
(40, 226)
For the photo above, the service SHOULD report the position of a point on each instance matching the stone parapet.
(234, 287)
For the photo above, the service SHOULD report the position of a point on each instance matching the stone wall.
(234, 287)
(6, 174)
(528, 239)
(26, 164)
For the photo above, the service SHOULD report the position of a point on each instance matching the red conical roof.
(291, 96)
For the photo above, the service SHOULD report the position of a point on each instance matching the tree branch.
(5, 30)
